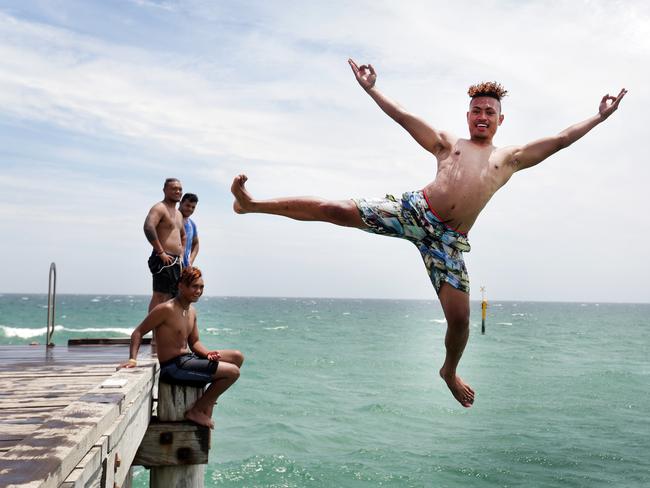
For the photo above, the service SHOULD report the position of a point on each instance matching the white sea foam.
(279, 327)
(25, 298)
(25, 333)
(119, 330)
(346, 313)
(215, 330)
(504, 323)
(438, 321)
(518, 314)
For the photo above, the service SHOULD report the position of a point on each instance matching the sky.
(101, 101)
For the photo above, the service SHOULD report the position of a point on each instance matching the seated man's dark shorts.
(188, 370)
(165, 276)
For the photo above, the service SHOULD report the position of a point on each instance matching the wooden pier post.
(188, 453)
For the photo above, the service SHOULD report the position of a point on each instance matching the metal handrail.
(51, 306)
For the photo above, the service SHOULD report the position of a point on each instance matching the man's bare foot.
(461, 390)
(243, 199)
(199, 417)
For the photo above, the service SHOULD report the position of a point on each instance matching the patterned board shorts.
(411, 218)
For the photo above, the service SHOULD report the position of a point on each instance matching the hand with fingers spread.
(606, 109)
(365, 74)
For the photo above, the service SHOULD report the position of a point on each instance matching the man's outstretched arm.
(537, 151)
(425, 135)
(154, 319)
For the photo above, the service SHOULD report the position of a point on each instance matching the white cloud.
(266, 90)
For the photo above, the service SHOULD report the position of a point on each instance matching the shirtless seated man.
(438, 217)
(178, 334)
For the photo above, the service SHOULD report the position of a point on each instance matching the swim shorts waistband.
(154, 253)
(172, 360)
(435, 214)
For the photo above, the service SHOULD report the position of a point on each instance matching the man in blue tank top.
(186, 208)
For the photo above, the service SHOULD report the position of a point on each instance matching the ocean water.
(345, 393)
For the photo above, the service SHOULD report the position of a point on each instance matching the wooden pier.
(68, 419)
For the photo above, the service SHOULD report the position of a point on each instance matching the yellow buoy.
(484, 305)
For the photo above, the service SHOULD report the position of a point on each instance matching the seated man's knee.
(238, 357)
(231, 371)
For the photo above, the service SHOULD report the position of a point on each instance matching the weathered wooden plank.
(45, 380)
(42, 403)
(18, 412)
(89, 468)
(91, 479)
(173, 443)
(68, 374)
(89, 341)
(21, 416)
(41, 390)
(47, 457)
(142, 403)
(19, 431)
(125, 448)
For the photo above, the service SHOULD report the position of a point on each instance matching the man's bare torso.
(172, 335)
(169, 228)
(468, 175)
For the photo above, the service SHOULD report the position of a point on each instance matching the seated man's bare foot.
(243, 199)
(199, 417)
(461, 390)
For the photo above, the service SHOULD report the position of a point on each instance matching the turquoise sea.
(345, 393)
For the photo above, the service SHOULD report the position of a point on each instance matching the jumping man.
(438, 217)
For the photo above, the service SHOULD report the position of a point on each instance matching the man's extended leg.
(339, 212)
(455, 304)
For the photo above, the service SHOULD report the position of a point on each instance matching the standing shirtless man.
(164, 230)
(437, 218)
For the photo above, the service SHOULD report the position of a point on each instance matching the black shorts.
(165, 277)
(188, 370)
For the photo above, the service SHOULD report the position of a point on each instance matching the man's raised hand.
(606, 109)
(365, 74)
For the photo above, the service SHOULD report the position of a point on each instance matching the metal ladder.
(51, 305)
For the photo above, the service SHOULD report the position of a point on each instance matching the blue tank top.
(190, 232)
